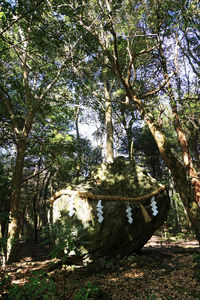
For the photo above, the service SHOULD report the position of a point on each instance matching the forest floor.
(163, 270)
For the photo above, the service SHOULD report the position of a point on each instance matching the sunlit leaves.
(58, 137)
(2, 15)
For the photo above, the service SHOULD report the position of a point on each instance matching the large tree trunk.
(187, 159)
(184, 187)
(14, 225)
(179, 173)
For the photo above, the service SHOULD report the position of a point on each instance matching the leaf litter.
(162, 270)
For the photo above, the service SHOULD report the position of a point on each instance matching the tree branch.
(6, 99)
(12, 44)
(21, 17)
(190, 61)
(36, 174)
(153, 92)
(145, 51)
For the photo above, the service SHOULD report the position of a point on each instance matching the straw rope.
(89, 195)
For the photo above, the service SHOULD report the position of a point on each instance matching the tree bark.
(109, 124)
(178, 171)
(13, 228)
(190, 169)
(35, 218)
(45, 197)
(78, 144)
(129, 132)
(22, 132)
(184, 186)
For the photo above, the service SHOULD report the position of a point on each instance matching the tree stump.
(118, 185)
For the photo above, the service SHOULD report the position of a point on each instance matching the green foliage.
(38, 287)
(64, 237)
(5, 283)
(177, 224)
(90, 292)
(4, 182)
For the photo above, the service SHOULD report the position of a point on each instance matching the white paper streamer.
(71, 206)
(154, 206)
(129, 214)
(100, 211)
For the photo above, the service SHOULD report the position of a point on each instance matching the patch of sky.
(13, 3)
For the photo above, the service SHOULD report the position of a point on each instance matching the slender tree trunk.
(78, 144)
(35, 217)
(36, 200)
(129, 133)
(4, 229)
(45, 197)
(109, 133)
(107, 98)
(109, 124)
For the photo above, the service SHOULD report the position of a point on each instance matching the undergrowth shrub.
(38, 287)
(5, 283)
(64, 240)
(89, 292)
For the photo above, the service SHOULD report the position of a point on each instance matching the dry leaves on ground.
(163, 270)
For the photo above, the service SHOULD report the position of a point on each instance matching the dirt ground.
(162, 270)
